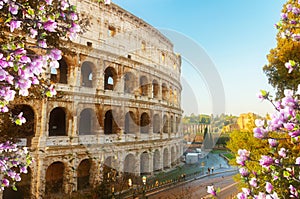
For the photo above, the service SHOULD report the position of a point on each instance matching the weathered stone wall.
(118, 102)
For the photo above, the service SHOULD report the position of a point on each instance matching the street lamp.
(113, 191)
(130, 185)
(144, 180)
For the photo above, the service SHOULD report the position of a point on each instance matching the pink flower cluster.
(28, 26)
(13, 162)
(20, 69)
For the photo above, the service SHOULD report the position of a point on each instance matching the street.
(197, 189)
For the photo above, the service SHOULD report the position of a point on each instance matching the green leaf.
(18, 122)
(286, 174)
(264, 93)
(14, 188)
(30, 11)
(48, 94)
(292, 62)
(218, 190)
(8, 20)
(16, 68)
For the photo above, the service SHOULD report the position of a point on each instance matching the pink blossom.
(49, 2)
(13, 8)
(269, 187)
(253, 182)
(211, 190)
(282, 152)
(297, 160)
(50, 25)
(244, 172)
(266, 161)
(14, 25)
(273, 142)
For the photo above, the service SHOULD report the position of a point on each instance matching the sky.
(236, 35)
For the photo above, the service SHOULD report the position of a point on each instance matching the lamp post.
(130, 185)
(144, 180)
(113, 191)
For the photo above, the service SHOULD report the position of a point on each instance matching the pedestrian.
(208, 170)
(212, 169)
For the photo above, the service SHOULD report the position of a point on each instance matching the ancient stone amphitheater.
(118, 107)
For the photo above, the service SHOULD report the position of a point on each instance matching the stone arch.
(55, 178)
(145, 164)
(178, 152)
(60, 75)
(164, 90)
(143, 86)
(108, 168)
(23, 187)
(110, 78)
(173, 156)
(165, 124)
(110, 125)
(83, 174)
(156, 160)
(130, 164)
(129, 82)
(86, 122)
(57, 122)
(166, 163)
(144, 123)
(172, 124)
(155, 89)
(87, 74)
(176, 124)
(130, 125)
(156, 123)
(171, 95)
(26, 130)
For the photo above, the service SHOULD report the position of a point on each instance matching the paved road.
(197, 189)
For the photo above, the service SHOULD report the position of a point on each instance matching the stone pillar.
(38, 184)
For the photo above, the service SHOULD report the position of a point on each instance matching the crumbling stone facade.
(118, 105)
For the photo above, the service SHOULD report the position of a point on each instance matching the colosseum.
(118, 108)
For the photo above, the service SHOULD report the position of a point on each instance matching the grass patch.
(230, 156)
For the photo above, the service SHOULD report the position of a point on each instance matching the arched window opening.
(156, 124)
(143, 86)
(172, 124)
(55, 178)
(130, 164)
(166, 163)
(9, 128)
(83, 175)
(53, 75)
(110, 77)
(144, 123)
(156, 161)
(166, 124)
(86, 122)
(129, 84)
(173, 156)
(87, 75)
(164, 91)
(110, 125)
(171, 96)
(57, 122)
(144, 164)
(63, 71)
(60, 75)
(130, 124)
(155, 89)
(110, 81)
(23, 188)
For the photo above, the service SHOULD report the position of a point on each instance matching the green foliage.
(286, 50)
